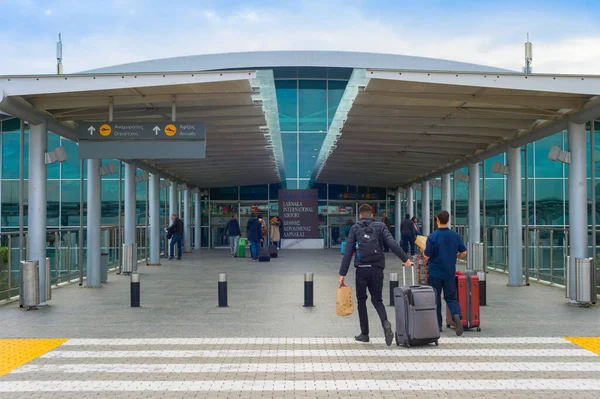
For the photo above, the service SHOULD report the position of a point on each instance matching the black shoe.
(387, 331)
(459, 327)
(178, 258)
(170, 258)
(362, 338)
(441, 329)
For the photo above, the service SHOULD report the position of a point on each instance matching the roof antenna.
(528, 56)
(59, 65)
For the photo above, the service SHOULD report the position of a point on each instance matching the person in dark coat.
(175, 232)
(233, 228)
(254, 232)
(408, 232)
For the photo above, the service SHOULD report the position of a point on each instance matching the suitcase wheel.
(407, 345)
(478, 329)
(437, 343)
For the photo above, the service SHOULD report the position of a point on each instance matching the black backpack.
(369, 243)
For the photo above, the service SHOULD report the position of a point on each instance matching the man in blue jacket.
(254, 232)
(233, 228)
(443, 247)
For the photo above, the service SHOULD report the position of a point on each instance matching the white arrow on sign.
(91, 129)
(156, 130)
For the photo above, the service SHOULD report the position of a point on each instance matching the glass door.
(340, 214)
(220, 214)
(247, 208)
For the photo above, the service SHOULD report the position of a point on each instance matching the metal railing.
(62, 248)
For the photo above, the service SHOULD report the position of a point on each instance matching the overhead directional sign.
(142, 140)
(131, 131)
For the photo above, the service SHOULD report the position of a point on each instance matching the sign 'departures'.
(102, 131)
(299, 212)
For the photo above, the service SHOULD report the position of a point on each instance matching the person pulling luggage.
(175, 232)
(233, 228)
(368, 237)
(443, 247)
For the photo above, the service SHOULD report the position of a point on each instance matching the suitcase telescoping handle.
(412, 270)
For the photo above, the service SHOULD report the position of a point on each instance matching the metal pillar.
(515, 218)
(398, 214)
(474, 204)
(173, 201)
(593, 178)
(130, 204)
(197, 221)
(425, 204)
(119, 238)
(94, 220)
(21, 197)
(154, 219)
(578, 235)
(187, 221)
(446, 195)
(36, 247)
(410, 202)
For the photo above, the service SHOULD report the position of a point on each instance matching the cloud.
(312, 26)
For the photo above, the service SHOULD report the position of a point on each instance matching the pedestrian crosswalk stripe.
(311, 367)
(299, 341)
(305, 385)
(430, 351)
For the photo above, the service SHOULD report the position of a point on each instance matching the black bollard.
(308, 290)
(393, 284)
(135, 290)
(222, 290)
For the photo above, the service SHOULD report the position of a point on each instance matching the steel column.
(474, 204)
(425, 204)
(154, 219)
(446, 195)
(398, 214)
(36, 246)
(173, 200)
(515, 218)
(593, 178)
(21, 199)
(577, 199)
(94, 222)
(130, 204)
(410, 209)
(197, 221)
(187, 221)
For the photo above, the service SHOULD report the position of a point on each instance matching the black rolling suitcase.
(263, 254)
(416, 314)
(273, 251)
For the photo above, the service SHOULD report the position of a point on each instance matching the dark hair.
(365, 210)
(407, 216)
(350, 222)
(443, 217)
(414, 218)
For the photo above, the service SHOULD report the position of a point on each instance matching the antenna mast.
(59, 65)
(528, 56)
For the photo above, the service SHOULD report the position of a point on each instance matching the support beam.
(515, 218)
(410, 201)
(474, 204)
(425, 210)
(446, 195)
(94, 220)
(130, 204)
(578, 235)
(187, 221)
(154, 219)
(197, 215)
(173, 201)
(36, 246)
(398, 214)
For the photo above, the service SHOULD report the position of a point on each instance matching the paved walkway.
(180, 344)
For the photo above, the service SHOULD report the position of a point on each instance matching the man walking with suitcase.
(369, 237)
(443, 247)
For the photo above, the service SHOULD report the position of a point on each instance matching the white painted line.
(308, 367)
(307, 385)
(413, 352)
(299, 341)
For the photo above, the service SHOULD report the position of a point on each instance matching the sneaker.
(387, 331)
(170, 258)
(459, 327)
(362, 338)
(441, 329)
(178, 258)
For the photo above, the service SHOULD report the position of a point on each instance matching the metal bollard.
(393, 284)
(308, 290)
(222, 290)
(135, 290)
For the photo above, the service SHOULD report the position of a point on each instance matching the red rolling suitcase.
(467, 291)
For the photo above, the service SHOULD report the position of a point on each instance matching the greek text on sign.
(298, 210)
(142, 131)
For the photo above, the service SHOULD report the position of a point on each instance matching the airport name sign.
(105, 131)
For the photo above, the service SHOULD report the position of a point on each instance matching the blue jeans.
(449, 287)
(175, 239)
(254, 246)
(408, 241)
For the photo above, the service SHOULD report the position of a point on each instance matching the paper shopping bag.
(343, 301)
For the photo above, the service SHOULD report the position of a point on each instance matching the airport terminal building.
(285, 128)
